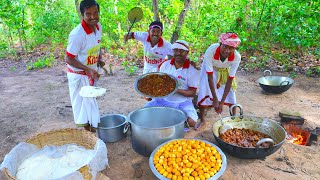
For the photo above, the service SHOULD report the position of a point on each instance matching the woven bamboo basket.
(64, 136)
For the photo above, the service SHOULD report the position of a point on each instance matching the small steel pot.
(112, 127)
(268, 127)
(275, 84)
(152, 126)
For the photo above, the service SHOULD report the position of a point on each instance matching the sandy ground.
(32, 102)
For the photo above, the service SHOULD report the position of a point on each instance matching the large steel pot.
(152, 126)
(269, 127)
(112, 127)
(275, 84)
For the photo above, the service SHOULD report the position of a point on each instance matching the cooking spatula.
(134, 15)
(224, 127)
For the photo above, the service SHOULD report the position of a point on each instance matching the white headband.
(181, 44)
(233, 40)
(155, 26)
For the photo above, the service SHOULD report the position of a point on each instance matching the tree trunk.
(10, 40)
(263, 8)
(155, 6)
(77, 3)
(23, 30)
(116, 12)
(20, 36)
(175, 34)
(20, 40)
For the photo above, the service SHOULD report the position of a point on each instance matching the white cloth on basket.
(22, 151)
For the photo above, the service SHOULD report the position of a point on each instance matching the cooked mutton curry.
(156, 85)
(243, 137)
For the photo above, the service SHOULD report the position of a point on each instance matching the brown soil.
(38, 101)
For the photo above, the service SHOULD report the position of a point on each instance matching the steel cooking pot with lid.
(266, 126)
(274, 84)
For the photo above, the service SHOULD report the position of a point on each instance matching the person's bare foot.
(86, 127)
(188, 124)
(191, 122)
(200, 125)
(89, 128)
(93, 130)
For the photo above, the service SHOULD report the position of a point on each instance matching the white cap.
(181, 44)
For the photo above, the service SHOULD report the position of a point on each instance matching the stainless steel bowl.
(144, 75)
(216, 176)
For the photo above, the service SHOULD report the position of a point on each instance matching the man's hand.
(92, 73)
(101, 63)
(194, 64)
(127, 36)
(219, 109)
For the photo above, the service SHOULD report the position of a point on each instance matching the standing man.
(188, 78)
(83, 58)
(155, 48)
(217, 82)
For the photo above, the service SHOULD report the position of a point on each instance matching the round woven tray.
(64, 136)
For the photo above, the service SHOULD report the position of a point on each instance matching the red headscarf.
(230, 39)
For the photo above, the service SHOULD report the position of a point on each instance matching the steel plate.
(144, 75)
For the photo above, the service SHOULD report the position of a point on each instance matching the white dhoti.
(204, 94)
(85, 109)
(186, 106)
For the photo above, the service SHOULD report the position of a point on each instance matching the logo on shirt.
(93, 55)
(159, 53)
(153, 61)
(152, 58)
(180, 77)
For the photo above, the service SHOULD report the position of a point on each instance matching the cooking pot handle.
(126, 127)
(282, 83)
(236, 105)
(263, 140)
(264, 72)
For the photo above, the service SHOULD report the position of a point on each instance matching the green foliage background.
(263, 25)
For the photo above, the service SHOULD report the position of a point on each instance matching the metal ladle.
(223, 128)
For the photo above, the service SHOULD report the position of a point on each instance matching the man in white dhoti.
(83, 58)
(188, 78)
(217, 83)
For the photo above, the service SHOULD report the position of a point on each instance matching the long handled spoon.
(134, 15)
(224, 127)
